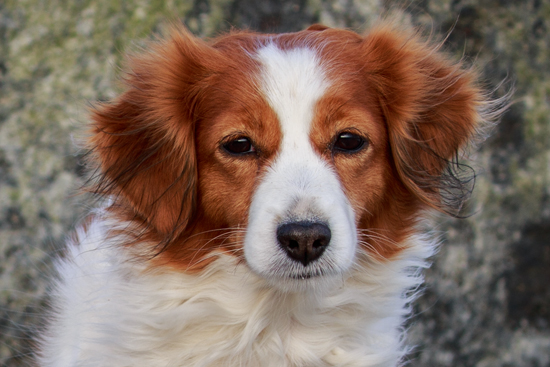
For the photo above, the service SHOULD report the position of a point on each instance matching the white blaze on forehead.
(292, 81)
(298, 185)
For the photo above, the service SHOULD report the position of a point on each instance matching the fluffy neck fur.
(111, 311)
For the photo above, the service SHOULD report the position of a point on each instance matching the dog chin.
(304, 281)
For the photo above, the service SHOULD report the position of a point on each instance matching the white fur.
(111, 310)
(299, 184)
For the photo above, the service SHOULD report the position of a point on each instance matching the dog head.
(291, 152)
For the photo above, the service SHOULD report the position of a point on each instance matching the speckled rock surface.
(487, 300)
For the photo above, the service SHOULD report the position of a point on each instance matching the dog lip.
(304, 276)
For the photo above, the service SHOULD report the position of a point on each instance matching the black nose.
(304, 241)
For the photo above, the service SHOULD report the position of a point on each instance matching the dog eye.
(349, 143)
(241, 145)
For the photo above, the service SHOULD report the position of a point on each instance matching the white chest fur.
(111, 312)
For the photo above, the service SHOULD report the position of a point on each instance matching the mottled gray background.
(487, 301)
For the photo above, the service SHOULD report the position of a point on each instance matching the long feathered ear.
(431, 106)
(143, 142)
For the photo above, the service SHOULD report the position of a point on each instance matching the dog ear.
(143, 141)
(431, 106)
(317, 27)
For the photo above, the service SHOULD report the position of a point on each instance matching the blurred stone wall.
(487, 300)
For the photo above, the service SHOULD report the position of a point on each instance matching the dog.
(263, 199)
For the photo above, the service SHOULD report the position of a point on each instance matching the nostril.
(304, 241)
(293, 244)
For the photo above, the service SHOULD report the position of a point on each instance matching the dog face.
(291, 152)
(301, 223)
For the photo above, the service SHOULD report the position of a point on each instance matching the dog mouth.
(307, 275)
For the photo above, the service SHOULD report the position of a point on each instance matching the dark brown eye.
(241, 145)
(349, 142)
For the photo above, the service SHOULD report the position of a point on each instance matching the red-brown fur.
(158, 144)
